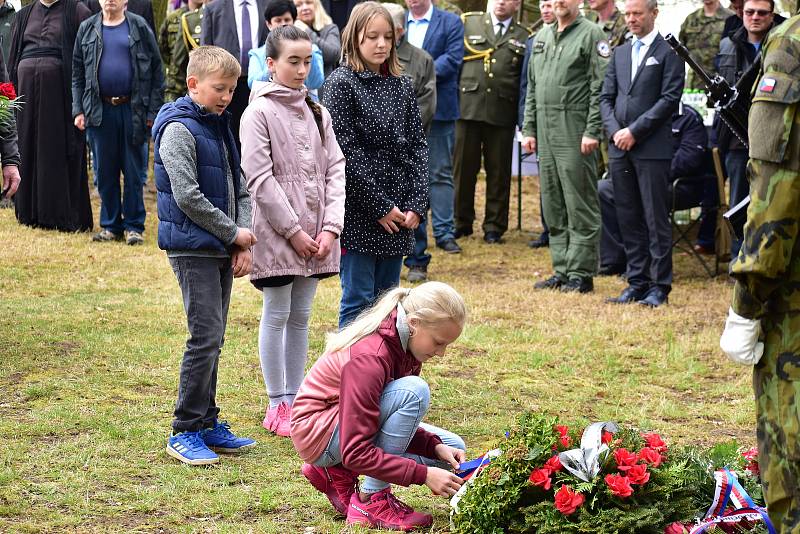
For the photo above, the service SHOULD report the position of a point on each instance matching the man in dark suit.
(237, 26)
(143, 8)
(339, 11)
(440, 34)
(641, 91)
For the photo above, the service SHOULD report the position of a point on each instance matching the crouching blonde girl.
(359, 410)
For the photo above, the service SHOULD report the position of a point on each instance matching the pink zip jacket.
(295, 180)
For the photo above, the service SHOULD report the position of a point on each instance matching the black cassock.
(54, 191)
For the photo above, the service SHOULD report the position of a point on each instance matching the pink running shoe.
(386, 511)
(337, 483)
(278, 420)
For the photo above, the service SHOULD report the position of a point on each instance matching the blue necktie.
(247, 37)
(637, 45)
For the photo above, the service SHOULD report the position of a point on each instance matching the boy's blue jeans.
(206, 289)
(404, 403)
(112, 153)
(364, 277)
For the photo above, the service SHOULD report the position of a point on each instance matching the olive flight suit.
(565, 77)
(489, 98)
(767, 270)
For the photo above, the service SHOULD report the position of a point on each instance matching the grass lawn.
(93, 335)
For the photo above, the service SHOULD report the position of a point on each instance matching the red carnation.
(7, 90)
(606, 437)
(655, 442)
(541, 478)
(567, 500)
(553, 465)
(751, 456)
(675, 528)
(638, 474)
(625, 459)
(563, 435)
(619, 485)
(651, 456)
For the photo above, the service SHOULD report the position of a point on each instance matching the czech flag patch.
(767, 85)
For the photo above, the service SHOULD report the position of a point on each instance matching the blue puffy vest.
(212, 133)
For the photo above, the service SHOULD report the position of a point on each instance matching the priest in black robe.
(54, 191)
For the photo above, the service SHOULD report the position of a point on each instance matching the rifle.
(732, 105)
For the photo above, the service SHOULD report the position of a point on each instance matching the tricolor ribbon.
(729, 490)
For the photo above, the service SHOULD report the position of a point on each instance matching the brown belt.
(116, 100)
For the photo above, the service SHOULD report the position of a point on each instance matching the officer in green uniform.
(611, 19)
(179, 34)
(701, 32)
(494, 49)
(562, 120)
(766, 296)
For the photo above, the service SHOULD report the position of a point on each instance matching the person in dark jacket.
(7, 14)
(117, 89)
(339, 11)
(737, 53)
(143, 8)
(691, 160)
(377, 124)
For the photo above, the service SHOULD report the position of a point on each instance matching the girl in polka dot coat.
(377, 123)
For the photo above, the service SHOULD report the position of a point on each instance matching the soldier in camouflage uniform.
(614, 24)
(767, 273)
(179, 34)
(701, 32)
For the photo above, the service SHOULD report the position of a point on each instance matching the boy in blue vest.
(204, 215)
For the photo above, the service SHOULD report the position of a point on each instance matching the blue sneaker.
(221, 439)
(188, 447)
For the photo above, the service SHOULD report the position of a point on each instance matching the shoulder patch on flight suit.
(603, 48)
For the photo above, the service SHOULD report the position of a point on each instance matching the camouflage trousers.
(776, 381)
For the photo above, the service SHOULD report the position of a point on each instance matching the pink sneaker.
(386, 511)
(278, 420)
(337, 483)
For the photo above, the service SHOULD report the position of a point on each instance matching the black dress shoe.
(554, 282)
(578, 285)
(462, 232)
(540, 242)
(628, 295)
(654, 298)
(611, 270)
(492, 237)
(450, 246)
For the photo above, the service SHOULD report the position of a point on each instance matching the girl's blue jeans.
(403, 404)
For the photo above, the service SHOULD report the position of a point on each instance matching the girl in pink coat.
(295, 175)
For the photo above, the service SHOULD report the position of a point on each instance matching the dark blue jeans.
(364, 277)
(736, 165)
(441, 192)
(113, 153)
(206, 289)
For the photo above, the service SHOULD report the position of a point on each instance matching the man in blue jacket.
(440, 34)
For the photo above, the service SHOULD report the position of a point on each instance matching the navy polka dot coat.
(377, 124)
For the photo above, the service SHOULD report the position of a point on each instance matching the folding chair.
(683, 233)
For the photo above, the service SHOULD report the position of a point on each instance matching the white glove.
(740, 339)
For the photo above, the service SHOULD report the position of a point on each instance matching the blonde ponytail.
(430, 303)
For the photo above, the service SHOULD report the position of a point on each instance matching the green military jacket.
(767, 269)
(565, 76)
(489, 83)
(616, 29)
(179, 34)
(702, 35)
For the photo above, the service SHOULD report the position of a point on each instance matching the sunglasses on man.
(759, 12)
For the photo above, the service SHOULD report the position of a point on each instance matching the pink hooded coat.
(296, 182)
